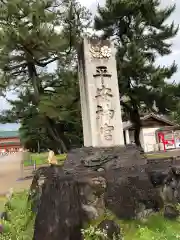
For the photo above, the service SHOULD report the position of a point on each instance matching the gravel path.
(10, 172)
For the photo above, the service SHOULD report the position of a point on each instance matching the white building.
(151, 123)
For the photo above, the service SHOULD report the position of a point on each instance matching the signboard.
(167, 138)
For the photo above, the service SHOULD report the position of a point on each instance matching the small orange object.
(52, 158)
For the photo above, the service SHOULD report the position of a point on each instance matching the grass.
(155, 228)
(157, 156)
(162, 155)
(21, 224)
(41, 159)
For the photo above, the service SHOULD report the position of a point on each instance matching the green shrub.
(93, 233)
(21, 219)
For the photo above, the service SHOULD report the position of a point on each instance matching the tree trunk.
(34, 79)
(54, 134)
(136, 120)
(133, 113)
(37, 87)
(136, 136)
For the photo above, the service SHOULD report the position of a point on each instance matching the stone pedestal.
(100, 100)
(123, 159)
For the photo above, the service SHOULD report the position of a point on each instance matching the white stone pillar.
(100, 100)
(127, 136)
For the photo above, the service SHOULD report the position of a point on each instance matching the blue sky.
(9, 127)
(174, 56)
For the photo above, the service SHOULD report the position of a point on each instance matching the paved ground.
(10, 172)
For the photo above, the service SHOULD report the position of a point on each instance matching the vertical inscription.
(99, 92)
(104, 112)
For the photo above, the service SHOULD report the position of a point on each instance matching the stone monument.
(100, 100)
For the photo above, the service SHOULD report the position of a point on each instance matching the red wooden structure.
(9, 141)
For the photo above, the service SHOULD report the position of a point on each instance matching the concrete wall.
(131, 137)
(148, 139)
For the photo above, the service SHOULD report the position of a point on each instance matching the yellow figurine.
(52, 158)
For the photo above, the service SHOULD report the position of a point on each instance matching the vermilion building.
(9, 141)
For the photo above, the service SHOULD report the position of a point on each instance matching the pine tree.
(141, 34)
(33, 35)
(60, 103)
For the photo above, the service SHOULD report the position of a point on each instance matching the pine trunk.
(50, 126)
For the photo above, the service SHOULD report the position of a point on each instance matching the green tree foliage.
(141, 34)
(174, 92)
(60, 103)
(33, 35)
(40, 35)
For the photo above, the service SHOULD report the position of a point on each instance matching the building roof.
(2, 144)
(9, 134)
(129, 124)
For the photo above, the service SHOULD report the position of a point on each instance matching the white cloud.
(90, 3)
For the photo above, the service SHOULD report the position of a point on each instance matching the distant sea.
(9, 127)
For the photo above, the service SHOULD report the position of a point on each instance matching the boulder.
(112, 229)
(157, 178)
(131, 196)
(171, 212)
(107, 158)
(93, 179)
(4, 216)
(1, 228)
